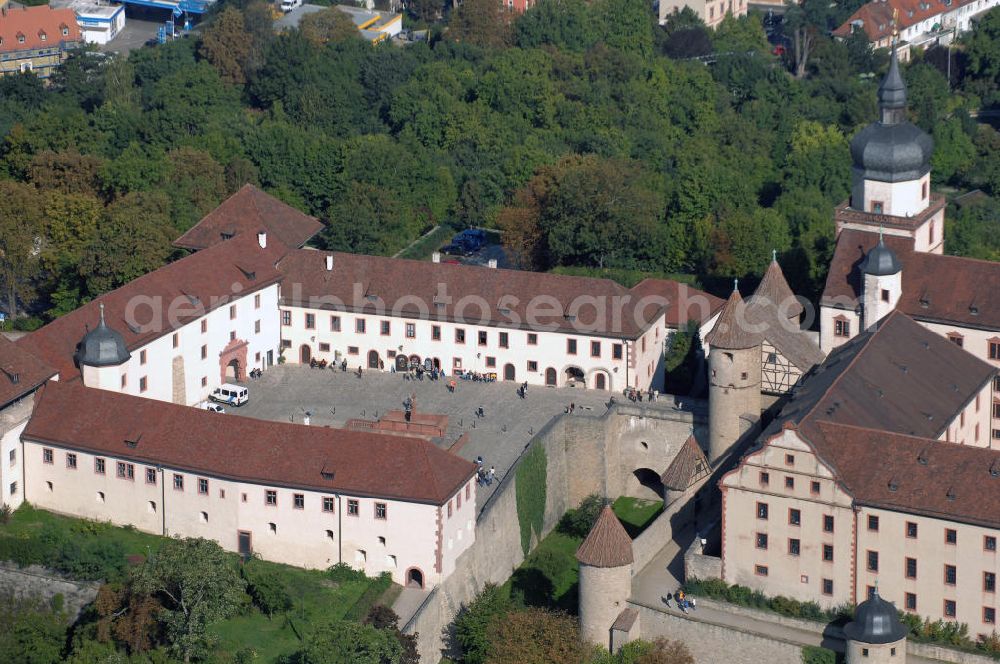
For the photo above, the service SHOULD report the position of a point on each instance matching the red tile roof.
(32, 23)
(685, 303)
(877, 17)
(729, 332)
(945, 289)
(245, 449)
(177, 294)
(246, 212)
(607, 544)
(916, 475)
(20, 372)
(774, 288)
(475, 295)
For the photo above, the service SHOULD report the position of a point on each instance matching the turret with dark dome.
(892, 149)
(102, 347)
(876, 634)
(881, 261)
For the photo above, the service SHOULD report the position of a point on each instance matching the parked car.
(234, 395)
(208, 405)
(472, 239)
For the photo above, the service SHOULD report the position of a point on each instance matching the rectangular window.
(256, 301)
(762, 511)
(827, 586)
(828, 553)
(616, 352)
(203, 486)
(872, 561)
(436, 332)
(885, 295)
(794, 516)
(380, 510)
(13, 488)
(352, 507)
(204, 325)
(794, 546)
(760, 570)
(491, 362)
(411, 331)
(950, 536)
(532, 366)
(995, 350)
(989, 615)
(911, 529)
(789, 482)
(204, 352)
(459, 335)
(571, 346)
(324, 348)
(13, 457)
(449, 509)
(271, 498)
(949, 608)
(761, 540)
(256, 327)
(99, 466)
(384, 328)
(142, 357)
(910, 601)
(151, 476)
(827, 523)
(175, 340)
(359, 325)
(765, 478)
(504, 340)
(595, 348)
(178, 482)
(789, 459)
(46, 455)
(352, 350)
(143, 384)
(842, 328)
(873, 523)
(814, 488)
(335, 323)
(989, 582)
(989, 543)
(71, 460)
(298, 501)
(482, 338)
(877, 207)
(911, 568)
(327, 504)
(950, 575)
(232, 312)
(310, 321)
(120, 470)
(532, 339)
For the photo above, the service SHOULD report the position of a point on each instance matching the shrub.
(266, 590)
(578, 522)
(5, 513)
(473, 622)
(371, 594)
(817, 655)
(344, 573)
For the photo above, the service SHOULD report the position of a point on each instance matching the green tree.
(20, 225)
(982, 48)
(740, 35)
(473, 622)
(535, 636)
(954, 152)
(972, 231)
(265, 589)
(226, 44)
(485, 23)
(30, 631)
(328, 25)
(68, 172)
(198, 584)
(819, 157)
(196, 182)
(565, 24)
(367, 220)
(343, 642)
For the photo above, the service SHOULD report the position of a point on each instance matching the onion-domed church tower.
(101, 355)
(891, 182)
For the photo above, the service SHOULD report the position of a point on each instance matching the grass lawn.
(549, 576)
(429, 243)
(636, 513)
(315, 596)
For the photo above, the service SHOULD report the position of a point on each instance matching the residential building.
(306, 496)
(876, 470)
(21, 375)
(890, 244)
(711, 12)
(919, 23)
(36, 39)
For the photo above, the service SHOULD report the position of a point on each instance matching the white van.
(289, 5)
(234, 395)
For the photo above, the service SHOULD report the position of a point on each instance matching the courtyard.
(332, 397)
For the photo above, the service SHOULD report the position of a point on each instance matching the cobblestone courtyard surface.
(332, 397)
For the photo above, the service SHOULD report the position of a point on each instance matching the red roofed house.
(921, 23)
(36, 39)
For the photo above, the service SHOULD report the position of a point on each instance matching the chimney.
(262, 239)
(436, 257)
(492, 263)
(329, 262)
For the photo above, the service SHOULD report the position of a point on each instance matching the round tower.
(892, 156)
(875, 636)
(605, 577)
(100, 355)
(882, 274)
(734, 375)
(774, 288)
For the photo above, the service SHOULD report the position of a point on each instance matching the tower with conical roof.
(605, 577)
(734, 375)
(774, 288)
(101, 354)
(882, 276)
(876, 635)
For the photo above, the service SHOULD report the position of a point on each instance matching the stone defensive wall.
(584, 454)
(35, 581)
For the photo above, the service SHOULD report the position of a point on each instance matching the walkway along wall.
(582, 456)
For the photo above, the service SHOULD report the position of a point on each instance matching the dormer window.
(20, 38)
(42, 35)
(65, 29)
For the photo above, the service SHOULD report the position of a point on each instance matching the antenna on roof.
(736, 284)
(101, 305)
(774, 255)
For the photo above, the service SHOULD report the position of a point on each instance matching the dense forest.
(582, 129)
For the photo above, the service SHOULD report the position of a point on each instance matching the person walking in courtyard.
(490, 476)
